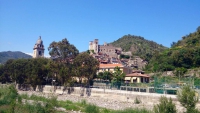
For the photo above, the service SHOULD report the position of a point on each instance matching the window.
(40, 53)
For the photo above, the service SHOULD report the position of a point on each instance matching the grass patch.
(69, 105)
(11, 102)
(129, 110)
(91, 108)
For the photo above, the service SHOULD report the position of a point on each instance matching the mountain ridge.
(184, 54)
(139, 46)
(6, 55)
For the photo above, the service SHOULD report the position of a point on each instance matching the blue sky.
(81, 21)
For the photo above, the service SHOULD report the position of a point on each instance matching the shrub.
(165, 106)
(90, 108)
(106, 110)
(187, 98)
(8, 94)
(137, 101)
(71, 107)
(83, 102)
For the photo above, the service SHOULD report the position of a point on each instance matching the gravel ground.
(110, 101)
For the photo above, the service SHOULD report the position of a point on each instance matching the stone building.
(38, 50)
(93, 45)
(108, 49)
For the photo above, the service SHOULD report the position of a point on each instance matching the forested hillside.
(4, 56)
(138, 46)
(184, 54)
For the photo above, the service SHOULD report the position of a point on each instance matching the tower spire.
(38, 50)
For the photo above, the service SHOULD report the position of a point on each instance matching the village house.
(137, 77)
(111, 67)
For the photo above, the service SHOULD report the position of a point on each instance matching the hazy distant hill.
(4, 56)
(138, 45)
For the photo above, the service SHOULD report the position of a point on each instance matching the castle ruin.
(108, 49)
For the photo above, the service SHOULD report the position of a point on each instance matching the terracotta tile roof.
(137, 75)
(110, 65)
(137, 71)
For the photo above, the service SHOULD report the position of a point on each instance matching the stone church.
(38, 50)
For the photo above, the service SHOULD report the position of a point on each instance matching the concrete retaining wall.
(90, 91)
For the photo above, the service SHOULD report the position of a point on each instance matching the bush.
(71, 107)
(106, 110)
(8, 94)
(187, 98)
(83, 102)
(137, 101)
(11, 101)
(90, 108)
(165, 106)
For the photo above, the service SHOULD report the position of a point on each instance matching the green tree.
(187, 98)
(118, 74)
(8, 71)
(86, 66)
(63, 51)
(117, 77)
(64, 76)
(173, 44)
(1, 70)
(165, 106)
(20, 73)
(107, 75)
(100, 75)
(38, 72)
(180, 71)
(198, 28)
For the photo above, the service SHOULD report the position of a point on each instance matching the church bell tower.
(38, 50)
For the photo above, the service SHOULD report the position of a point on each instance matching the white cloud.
(46, 56)
(29, 54)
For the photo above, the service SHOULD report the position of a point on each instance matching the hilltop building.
(38, 50)
(108, 49)
(108, 54)
(94, 46)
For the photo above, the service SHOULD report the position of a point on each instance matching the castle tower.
(91, 45)
(38, 50)
(96, 46)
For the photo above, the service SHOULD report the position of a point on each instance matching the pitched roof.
(110, 65)
(137, 71)
(137, 75)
